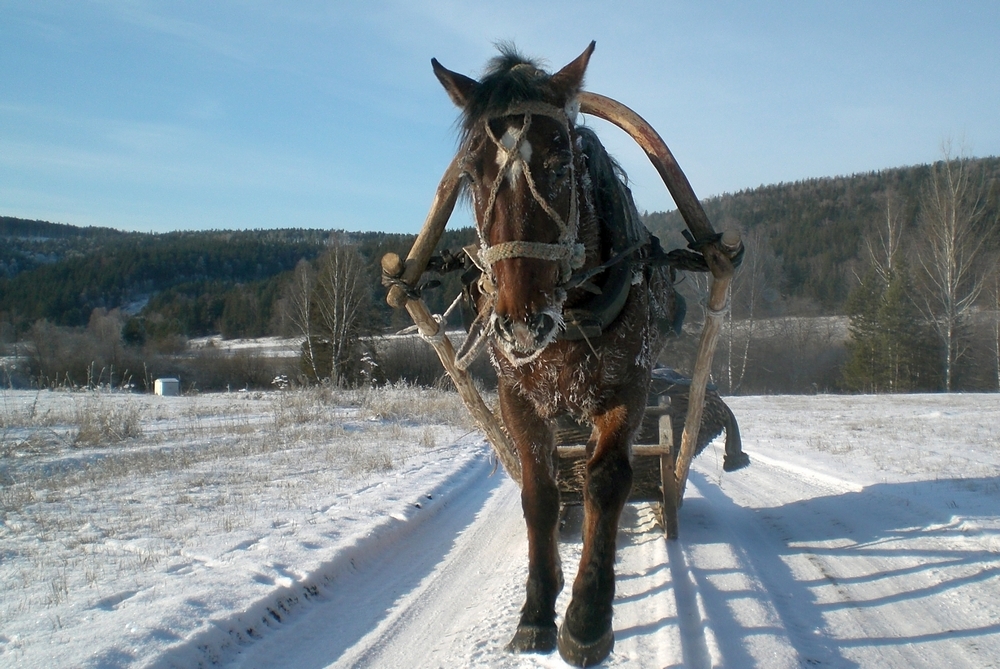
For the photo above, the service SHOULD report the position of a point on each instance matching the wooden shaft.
(473, 401)
(668, 479)
(392, 265)
(718, 302)
(430, 234)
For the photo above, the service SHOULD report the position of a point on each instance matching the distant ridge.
(817, 227)
(25, 228)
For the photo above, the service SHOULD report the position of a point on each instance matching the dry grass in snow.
(105, 495)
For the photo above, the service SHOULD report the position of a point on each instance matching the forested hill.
(816, 228)
(187, 283)
(20, 228)
(74, 275)
(194, 283)
(29, 244)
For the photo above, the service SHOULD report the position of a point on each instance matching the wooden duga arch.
(718, 254)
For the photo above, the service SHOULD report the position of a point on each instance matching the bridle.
(569, 254)
(566, 251)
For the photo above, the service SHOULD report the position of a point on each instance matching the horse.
(573, 312)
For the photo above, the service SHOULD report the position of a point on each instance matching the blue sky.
(160, 116)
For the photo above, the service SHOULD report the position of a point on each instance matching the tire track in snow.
(777, 566)
(449, 595)
(456, 614)
(464, 612)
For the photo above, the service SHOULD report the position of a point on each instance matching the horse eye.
(472, 170)
(557, 162)
(557, 166)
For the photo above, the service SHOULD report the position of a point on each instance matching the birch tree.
(952, 260)
(884, 246)
(298, 303)
(342, 307)
(755, 289)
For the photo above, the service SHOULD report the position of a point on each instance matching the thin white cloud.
(145, 15)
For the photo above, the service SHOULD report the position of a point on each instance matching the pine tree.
(892, 349)
(909, 345)
(862, 369)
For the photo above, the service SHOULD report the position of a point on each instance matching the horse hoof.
(533, 639)
(581, 654)
(735, 462)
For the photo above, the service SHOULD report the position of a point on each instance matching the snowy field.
(364, 529)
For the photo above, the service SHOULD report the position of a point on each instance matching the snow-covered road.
(779, 565)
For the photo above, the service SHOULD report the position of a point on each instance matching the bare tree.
(105, 327)
(755, 289)
(342, 306)
(298, 306)
(952, 212)
(883, 247)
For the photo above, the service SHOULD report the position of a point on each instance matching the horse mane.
(510, 78)
(607, 188)
(604, 171)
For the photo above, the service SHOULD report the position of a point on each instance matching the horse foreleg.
(536, 631)
(586, 637)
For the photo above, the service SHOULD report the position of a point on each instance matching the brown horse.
(574, 314)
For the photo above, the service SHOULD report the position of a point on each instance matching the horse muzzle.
(526, 336)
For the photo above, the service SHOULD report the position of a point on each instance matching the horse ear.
(568, 81)
(460, 87)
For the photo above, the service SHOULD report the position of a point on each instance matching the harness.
(632, 246)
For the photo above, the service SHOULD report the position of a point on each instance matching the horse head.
(525, 177)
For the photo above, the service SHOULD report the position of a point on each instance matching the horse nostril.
(544, 324)
(525, 335)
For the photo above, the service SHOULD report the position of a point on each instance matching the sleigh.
(676, 426)
(654, 453)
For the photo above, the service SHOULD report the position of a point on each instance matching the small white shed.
(167, 387)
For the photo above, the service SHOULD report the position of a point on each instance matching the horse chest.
(571, 378)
